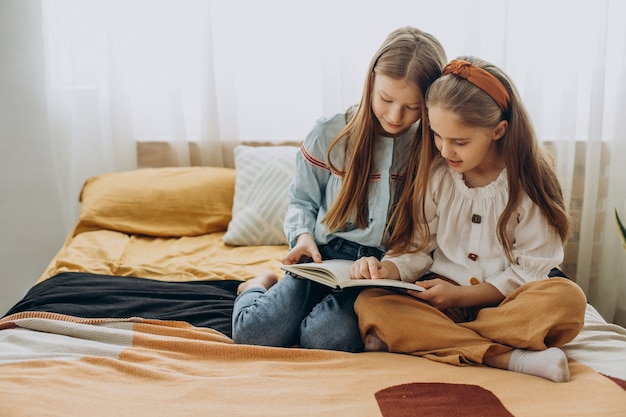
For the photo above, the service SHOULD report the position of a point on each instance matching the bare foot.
(374, 344)
(264, 280)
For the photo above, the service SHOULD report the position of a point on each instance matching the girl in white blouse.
(490, 228)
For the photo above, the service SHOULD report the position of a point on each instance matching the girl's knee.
(340, 338)
(251, 328)
(245, 331)
(331, 326)
(250, 333)
(569, 294)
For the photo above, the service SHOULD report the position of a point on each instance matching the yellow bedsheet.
(186, 258)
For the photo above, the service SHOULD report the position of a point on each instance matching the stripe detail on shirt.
(318, 163)
(313, 160)
(397, 177)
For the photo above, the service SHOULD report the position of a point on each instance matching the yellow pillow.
(165, 202)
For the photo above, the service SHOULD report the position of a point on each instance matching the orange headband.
(482, 79)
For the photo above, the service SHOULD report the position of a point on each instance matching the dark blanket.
(200, 303)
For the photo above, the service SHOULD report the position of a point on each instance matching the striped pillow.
(261, 194)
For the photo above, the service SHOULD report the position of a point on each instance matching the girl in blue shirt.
(351, 173)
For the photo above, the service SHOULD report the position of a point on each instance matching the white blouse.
(464, 243)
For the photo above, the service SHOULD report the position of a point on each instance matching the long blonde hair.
(407, 54)
(529, 167)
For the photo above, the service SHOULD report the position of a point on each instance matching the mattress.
(132, 317)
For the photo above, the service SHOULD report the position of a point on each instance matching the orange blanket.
(54, 365)
(63, 366)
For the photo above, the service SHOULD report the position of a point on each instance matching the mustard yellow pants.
(536, 316)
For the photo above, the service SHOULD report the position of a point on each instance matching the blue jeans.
(297, 311)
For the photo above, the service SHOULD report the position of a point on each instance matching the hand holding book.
(335, 273)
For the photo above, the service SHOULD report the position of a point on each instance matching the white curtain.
(215, 72)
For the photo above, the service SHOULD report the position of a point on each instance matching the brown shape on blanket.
(620, 382)
(439, 400)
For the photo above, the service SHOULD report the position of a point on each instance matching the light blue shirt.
(314, 187)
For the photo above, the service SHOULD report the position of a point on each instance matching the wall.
(31, 229)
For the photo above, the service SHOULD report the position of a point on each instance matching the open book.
(335, 273)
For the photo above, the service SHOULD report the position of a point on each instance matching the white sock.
(550, 363)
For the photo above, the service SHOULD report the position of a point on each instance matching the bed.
(132, 317)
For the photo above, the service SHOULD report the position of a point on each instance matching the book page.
(394, 283)
(329, 272)
(335, 273)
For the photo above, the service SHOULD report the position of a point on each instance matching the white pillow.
(261, 194)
